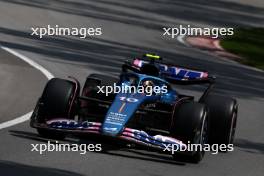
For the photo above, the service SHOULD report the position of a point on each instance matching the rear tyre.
(58, 100)
(223, 115)
(191, 124)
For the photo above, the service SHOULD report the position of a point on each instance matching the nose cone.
(121, 110)
(115, 121)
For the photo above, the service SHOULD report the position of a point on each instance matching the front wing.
(128, 134)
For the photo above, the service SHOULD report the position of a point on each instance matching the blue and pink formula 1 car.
(166, 118)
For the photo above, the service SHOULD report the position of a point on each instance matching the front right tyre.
(190, 125)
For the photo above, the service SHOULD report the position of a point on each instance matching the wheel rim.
(232, 127)
(204, 130)
(202, 135)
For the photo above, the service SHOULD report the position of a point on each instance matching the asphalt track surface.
(129, 28)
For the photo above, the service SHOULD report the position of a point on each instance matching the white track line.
(38, 67)
(30, 62)
(16, 121)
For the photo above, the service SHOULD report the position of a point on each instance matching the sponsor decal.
(158, 140)
(110, 129)
(115, 118)
(177, 72)
(181, 72)
(69, 124)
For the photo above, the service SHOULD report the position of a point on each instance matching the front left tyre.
(58, 100)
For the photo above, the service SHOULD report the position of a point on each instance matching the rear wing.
(172, 73)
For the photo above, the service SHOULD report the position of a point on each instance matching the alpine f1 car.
(166, 118)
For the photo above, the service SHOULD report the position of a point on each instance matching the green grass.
(247, 43)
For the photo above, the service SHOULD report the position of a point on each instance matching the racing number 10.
(132, 100)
